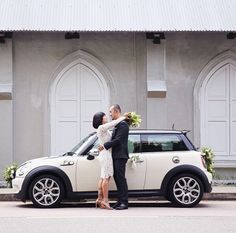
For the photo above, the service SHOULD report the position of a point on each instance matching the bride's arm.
(111, 124)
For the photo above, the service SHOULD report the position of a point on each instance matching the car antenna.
(173, 126)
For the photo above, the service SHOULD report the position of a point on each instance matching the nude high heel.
(105, 205)
(98, 203)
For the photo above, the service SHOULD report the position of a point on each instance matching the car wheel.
(167, 197)
(46, 191)
(186, 190)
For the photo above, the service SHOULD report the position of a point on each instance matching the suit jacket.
(119, 141)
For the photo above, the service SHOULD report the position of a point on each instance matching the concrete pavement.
(161, 217)
(218, 193)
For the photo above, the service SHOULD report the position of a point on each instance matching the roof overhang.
(118, 16)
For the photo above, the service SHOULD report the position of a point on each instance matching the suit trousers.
(120, 180)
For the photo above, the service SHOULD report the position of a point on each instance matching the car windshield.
(84, 144)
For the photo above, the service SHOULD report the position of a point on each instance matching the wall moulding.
(6, 91)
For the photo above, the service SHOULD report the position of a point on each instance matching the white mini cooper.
(162, 163)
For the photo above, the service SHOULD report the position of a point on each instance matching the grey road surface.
(158, 217)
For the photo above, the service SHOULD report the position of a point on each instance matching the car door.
(88, 171)
(159, 150)
(135, 172)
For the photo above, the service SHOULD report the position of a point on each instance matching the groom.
(120, 156)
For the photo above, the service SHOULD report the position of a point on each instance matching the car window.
(93, 146)
(134, 143)
(84, 140)
(162, 142)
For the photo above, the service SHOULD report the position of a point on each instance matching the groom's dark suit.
(120, 155)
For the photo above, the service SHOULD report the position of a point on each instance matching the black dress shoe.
(116, 204)
(121, 207)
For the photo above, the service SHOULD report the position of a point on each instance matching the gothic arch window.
(215, 108)
(79, 89)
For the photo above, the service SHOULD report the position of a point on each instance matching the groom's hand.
(100, 147)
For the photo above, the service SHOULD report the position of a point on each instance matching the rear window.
(162, 142)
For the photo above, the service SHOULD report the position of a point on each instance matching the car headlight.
(23, 169)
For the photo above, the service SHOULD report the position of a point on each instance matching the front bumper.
(208, 186)
(17, 185)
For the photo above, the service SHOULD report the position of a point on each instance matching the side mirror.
(92, 153)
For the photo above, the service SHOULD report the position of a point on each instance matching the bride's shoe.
(105, 205)
(98, 203)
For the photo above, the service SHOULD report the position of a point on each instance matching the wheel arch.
(45, 170)
(181, 170)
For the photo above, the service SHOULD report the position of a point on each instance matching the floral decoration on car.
(134, 159)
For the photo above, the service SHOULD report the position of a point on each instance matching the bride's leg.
(100, 193)
(105, 189)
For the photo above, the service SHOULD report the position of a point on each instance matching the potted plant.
(9, 174)
(208, 156)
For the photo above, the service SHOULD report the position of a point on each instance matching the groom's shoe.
(122, 207)
(116, 204)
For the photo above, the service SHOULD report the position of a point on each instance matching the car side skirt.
(113, 194)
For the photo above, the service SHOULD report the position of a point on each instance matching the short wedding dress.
(105, 157)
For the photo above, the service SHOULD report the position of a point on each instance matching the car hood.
(49, 160)
(42, 159)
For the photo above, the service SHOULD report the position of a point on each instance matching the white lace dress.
(105, 157)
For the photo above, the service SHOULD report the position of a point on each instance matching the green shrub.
(208, 156)
(9, 173)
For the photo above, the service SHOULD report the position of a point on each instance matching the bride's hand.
(127, 115)
(100, 147)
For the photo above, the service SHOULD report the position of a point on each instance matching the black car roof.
(151, 131)
(158, 131)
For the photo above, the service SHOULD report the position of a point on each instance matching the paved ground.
(209, 216)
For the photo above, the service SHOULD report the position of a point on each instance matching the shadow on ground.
(131, 205)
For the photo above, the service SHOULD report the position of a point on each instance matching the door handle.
(140, 161)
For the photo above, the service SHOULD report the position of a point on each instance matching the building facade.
(58, 84)
(175, 66)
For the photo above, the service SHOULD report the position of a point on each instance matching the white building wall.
(36, 57)
(186, 56)
(131, 61)
(6, 144)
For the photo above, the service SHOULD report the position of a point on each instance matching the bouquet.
(134, 159)
(133, 119)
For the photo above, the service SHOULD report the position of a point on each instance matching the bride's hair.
(97, 119)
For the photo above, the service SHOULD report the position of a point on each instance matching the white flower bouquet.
(134, 159)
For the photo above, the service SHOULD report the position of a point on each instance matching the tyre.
(186, 190)
(46, 191)
(167, 197)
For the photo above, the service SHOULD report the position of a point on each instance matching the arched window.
(216, 109)
(78, 91)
